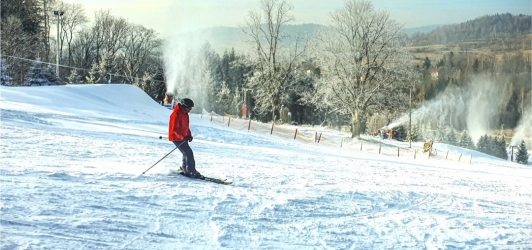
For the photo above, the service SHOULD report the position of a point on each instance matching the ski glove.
(189, 138)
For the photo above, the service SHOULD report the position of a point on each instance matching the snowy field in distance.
(72, 158)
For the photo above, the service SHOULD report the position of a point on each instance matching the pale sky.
(175, 16)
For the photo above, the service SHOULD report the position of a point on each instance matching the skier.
(179, 133)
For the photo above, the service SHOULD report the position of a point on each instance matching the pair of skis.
(205, 178)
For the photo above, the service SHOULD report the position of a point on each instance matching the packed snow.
(71, 178)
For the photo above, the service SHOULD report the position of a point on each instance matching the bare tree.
(139, 45)
(365, 61)
(47, 7)
(109, 33)
(73, 18)
(82, 50)
(16, 45)
(274, 63)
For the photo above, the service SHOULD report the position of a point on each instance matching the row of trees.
(358, 59)
(491, 145)
(357, 66)
(111, 49)
(488, 27)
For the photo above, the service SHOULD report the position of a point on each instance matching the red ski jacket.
(178, 127)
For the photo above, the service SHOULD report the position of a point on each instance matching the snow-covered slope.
(72, 158)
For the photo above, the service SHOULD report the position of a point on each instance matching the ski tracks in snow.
(80, 189)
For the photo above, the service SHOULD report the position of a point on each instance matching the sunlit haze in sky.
(165, 16)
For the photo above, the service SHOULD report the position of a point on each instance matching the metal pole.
(58, 14)
(164, 156)
(160, 160)
(410, 122)
(57, 49)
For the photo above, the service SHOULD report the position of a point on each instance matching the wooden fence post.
(271, 131)
(397, 151)
(319, 138)
(380, 148)
(415, 152)
(249, 124)
(229, 121)
(295, 134)
(459, 157)
(447, 155)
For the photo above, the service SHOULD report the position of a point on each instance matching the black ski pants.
(189, 164)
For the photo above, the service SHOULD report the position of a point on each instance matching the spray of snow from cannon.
(523, 130)
(184, 61)
(473, 107)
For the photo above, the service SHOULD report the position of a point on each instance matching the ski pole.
(163, 157)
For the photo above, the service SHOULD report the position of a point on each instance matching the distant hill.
(488, 27)
(226, 38)
(422, 29)
(483, 28)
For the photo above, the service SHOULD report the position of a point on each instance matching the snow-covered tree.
(99, 73)
(224, 99)
(4, 78)
(145, 83)
(450, 137)
(74, 77)
(274, 64)
(492, 146)
(365, 61)
(466, 141)
(499, 148)
(522, 153)
(483, 144)
(41, 75)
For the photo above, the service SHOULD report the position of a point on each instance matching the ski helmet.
(187, 103)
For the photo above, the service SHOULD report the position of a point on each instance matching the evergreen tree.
(483, 143)
(492, 146)
(400, 133)
(99, 73)
(426, 63)
(466, 141)
(499, 148)
(74, 77)
(450, 137)
(522, 154)
(40, 75)
(224, 100)
(4, 78)
(95, 75)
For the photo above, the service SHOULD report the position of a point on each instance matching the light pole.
(410, 119)
(57, 13)
(245, 106)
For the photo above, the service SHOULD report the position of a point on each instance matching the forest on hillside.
(488, 27)
(493, 49)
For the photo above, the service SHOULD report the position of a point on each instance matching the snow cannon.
(427, 145)
(169, 100)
